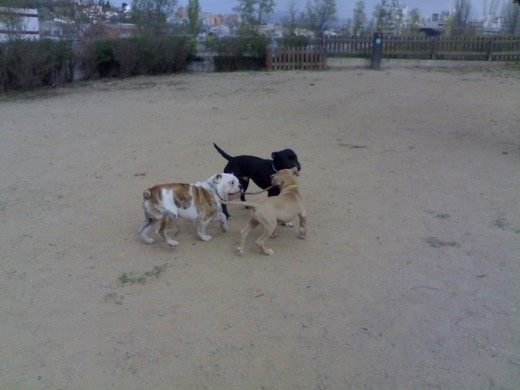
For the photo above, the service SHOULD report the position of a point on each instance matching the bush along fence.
(26, 65)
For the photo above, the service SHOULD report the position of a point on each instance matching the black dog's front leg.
(244, 184)
(275, 191)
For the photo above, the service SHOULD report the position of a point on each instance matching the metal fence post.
(377, 50)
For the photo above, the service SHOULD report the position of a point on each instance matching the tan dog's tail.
(247, 204)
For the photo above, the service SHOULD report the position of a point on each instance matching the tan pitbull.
(271, 211)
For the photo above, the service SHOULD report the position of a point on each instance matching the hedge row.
(28, 64)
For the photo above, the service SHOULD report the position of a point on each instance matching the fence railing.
(495, 48)
(294, 58)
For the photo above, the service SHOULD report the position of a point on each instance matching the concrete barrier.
(333, 62)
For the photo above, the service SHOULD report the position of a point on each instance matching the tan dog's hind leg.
(303, 226)
(166, 223)
(268, 232)
(243, 235)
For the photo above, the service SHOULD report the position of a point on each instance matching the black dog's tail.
(224, 154)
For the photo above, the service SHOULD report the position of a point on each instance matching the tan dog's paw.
(268, 252)
(303, 234)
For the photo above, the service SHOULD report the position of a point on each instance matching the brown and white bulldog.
(199, 202)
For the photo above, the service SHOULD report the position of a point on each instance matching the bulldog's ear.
(217, 178)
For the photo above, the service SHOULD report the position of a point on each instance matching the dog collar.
(214, 189)
(274, 169)
(293, 186)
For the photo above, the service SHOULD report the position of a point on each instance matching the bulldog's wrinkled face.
(227, 185)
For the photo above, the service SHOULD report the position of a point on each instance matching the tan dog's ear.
(295, 171)
(217, 178)
(276, 180)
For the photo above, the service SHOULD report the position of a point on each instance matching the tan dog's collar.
(293, 186)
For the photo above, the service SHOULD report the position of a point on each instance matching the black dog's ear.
(273, 155)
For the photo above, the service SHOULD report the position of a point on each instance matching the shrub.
(139, 55)
(27, 64)
(296, 41)
(239, 53)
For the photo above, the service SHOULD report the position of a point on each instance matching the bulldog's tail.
(147, 194)
(222, 153)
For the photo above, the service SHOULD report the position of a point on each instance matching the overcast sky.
(345, 7)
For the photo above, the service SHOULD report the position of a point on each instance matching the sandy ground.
(409, 278)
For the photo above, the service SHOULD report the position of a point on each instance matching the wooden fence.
(294, 58)
(490, 48)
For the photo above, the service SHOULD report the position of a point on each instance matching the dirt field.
(409, 278)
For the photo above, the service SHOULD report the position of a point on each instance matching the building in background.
(19, 23)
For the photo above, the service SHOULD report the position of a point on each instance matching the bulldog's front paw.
(205, 237)
(148, 240)
(172, 243)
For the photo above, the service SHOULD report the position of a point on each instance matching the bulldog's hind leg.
(167, 222)
(201, 229)
(145, 227)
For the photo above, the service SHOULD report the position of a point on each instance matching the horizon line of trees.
(158, 17)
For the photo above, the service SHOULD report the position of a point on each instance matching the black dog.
(258, 169)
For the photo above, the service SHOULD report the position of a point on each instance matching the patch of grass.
(500, 223)
(132, 278)
(434, 242)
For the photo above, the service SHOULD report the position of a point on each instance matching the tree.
(511, 15)
(254, 12)
(151, 16)
(378, 16)
(193, 11)
(320, 15)
(414, 17)
(290, 22)
(360, 16)
(459, 22)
